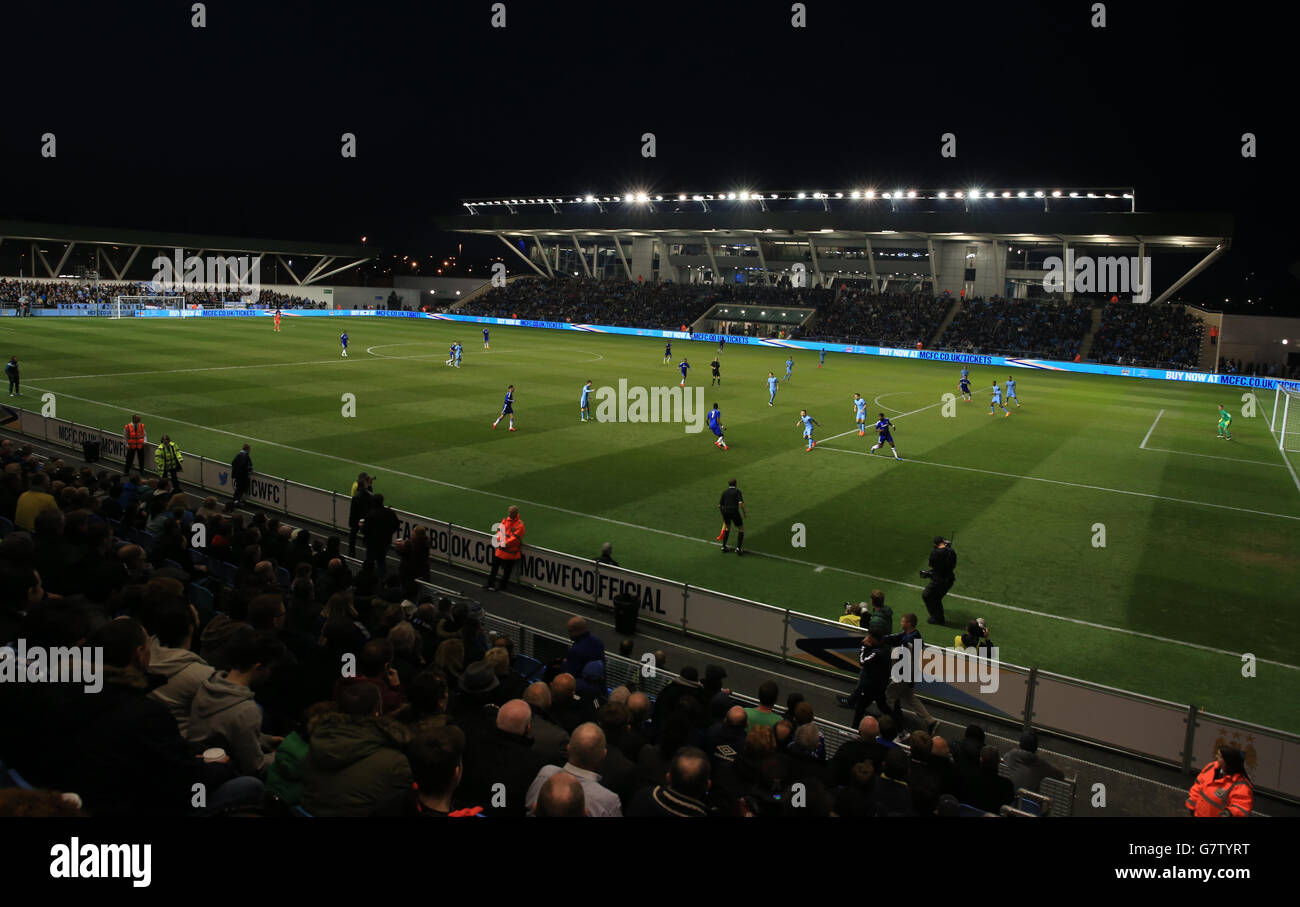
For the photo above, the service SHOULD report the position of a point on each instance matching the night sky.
(235, 128)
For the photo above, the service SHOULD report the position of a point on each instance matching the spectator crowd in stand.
(887, 319)
(1046, 330)
(1163, 336)
(53, 294)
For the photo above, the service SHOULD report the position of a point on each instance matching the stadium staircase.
(1209, 353)
(1085, 346)
(943, 325)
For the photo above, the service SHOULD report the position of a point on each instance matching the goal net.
(127, 306)
(1286, 417)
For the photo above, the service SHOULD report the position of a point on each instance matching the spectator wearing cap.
(1223, 788)
(504, 754)
(587, 750)
(585, 647)
(591, 685)
(474, 707)
(683, 793)
(764, 714)
(1026, 767)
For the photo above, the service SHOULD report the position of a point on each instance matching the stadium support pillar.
(581, 257)
(541, 254)
(528, 261)
(1068, 258)
(934, 273)
(758, 244)
(1196, 269)
(999, 268)
(667, 270)
(708, 247)
(871, 260)
(618, 247)
(817, 269)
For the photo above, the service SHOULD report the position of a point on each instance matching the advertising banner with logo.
(1272, 758)
(661, 600)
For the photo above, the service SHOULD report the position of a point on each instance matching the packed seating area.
(53, 294)
(1047, 330)
(664, 306)
(226, 665)
(889, 319)
(1167, 336)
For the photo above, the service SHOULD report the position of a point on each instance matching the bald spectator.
(684, 793)
(638, 707)
(726, 739)
(619, 695)
(586, 647)
(550, 741)
(851, 752)
(561, 797)
(503, 754)
(587, 751)
(566, 708)
(942, 769)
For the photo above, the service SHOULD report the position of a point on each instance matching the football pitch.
(1102, 530)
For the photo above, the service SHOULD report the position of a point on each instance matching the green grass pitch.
(1200, 558)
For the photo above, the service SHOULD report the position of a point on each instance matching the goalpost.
(127, 305)
(1286, 417)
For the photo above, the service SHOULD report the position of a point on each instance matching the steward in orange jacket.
(508, 547)
(1222, 788)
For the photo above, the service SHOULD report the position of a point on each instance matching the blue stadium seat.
(968, 810)
(301, 813)
(5, 526)
(284, 578)
(530, 668)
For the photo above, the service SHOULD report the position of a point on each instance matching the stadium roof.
(330, 258)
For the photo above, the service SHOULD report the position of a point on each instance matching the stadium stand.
(1018, 328)
(54, 294)
(1164, 336)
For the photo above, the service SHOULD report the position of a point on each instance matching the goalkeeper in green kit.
(1225, 419)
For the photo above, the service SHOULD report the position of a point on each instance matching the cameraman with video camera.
(941, 574)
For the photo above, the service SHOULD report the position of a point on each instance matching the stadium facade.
(974, 242)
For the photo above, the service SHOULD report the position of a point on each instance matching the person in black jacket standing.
(873, 679)
(11, 370)
(241, 469)
(362, 501)
(381, 525)
(942, 575)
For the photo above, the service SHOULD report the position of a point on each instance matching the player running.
(965, 374)
(772, 384)
(716, 426)
(997, 400)
(508, 408)
(965, 386)
(860, 414)
(722, 341)
(486, 345)
(1011, 390)
(821, 358)
(1225, 419)
(789, 365)
(584, 404)
(884, 435)
(459, 351)
(277, 319)
(668, 351)
(807, 422)
(343, 339)
(717, 372)
(685, 367)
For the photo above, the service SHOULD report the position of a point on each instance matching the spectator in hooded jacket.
(224, 713)
(171, 656)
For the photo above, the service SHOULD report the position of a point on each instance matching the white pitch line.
(1188, 453)
(1137, 494)
(689, 538)
(1285, 458)
(1143, 445)
(178, 371)
(892, 419)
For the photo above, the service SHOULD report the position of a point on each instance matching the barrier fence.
(1167, 732)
